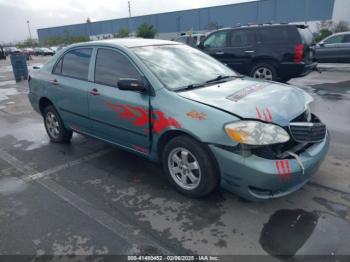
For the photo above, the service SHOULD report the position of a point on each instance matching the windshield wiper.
(219, 78)
(214, 80)
(192, 86)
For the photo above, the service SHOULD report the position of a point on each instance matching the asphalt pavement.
(90, 198)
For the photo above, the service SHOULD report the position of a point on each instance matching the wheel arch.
(264, 59)
(43, 103)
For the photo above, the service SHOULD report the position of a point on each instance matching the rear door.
(241, 49)
(69, 87)
(121, 117)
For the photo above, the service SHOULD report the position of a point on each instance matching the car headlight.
(256, 133)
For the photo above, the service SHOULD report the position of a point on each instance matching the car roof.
(263, 26)
(341, 33)
(129, 42)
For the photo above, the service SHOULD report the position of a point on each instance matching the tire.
(54, 126)
(197, 156)
(264, 71)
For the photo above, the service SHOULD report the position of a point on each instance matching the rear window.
(278, 35)
(306, 36)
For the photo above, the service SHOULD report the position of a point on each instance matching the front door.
(216, 45)
(121, 117)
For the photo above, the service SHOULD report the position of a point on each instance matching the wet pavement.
(88, 197)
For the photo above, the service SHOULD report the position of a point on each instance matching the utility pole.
(129, 8)
(30, 34)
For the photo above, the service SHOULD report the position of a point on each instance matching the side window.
(277, 35)
(334, 40)
(217, 39)
(58, 67)
(241, 38)
(346, 39)
(76, 63)
(111, 66)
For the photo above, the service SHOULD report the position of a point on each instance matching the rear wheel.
(264, 71)
(55, 127)
(189, 167)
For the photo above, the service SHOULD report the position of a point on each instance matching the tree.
(323, 33)
(146, 30)
(341, 26)
(123, 32)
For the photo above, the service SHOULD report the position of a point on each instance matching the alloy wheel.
(263, 73)
(184, 168)
(52, 125)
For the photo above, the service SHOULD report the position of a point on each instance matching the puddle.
(298, 232)
(29, 133)
(6, 92)
(11, 185)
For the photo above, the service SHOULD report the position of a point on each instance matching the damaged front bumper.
(256, 178)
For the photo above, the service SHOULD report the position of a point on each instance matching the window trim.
(62, 58)
(142, 76)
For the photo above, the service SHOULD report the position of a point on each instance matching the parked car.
(207, 125)
(2, 53)
(12, 50)
(334, 49)
(37, 51)
(191, 40)
(272, 52)
(28, 51)
(47, 51)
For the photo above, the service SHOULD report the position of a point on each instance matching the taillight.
(298, 53)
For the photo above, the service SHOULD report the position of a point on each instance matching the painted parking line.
(30, 174)
(130, 233)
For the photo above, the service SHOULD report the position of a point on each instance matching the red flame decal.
(138, 116)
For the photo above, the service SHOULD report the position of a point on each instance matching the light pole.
(30, 34)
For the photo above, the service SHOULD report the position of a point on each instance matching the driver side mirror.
(321, 44)
(130, 84)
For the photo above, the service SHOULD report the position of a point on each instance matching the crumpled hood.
(251, 99)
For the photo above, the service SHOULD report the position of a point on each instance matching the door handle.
(249, 51)
(54, 82)
(219, 53)
(94, 92)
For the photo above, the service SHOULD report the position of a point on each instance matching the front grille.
(305, 132)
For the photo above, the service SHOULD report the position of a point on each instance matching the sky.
(14, 14)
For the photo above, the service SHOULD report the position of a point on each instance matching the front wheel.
(55, 127)
(189, 167)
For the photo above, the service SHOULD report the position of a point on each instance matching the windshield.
(178, 66)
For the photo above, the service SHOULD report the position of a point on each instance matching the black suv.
(272, 52)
